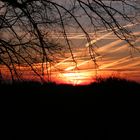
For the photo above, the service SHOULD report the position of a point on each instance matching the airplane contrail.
(109, 45)
(75, 55)
(72, 67)
(82, 63)
(122, 60)
(95, 40)
(87, 45)
(60, 62)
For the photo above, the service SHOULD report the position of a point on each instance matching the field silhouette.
(107, 109)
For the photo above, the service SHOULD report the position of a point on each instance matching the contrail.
(109, 45)
(122, 60)
(87, 45)
(76, 55)
(60, 62)
(72, 67)
(95, 40)
(114, 43)
(82, 63)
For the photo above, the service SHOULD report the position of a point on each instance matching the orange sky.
(114, 59)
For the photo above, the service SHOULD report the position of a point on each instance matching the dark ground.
(106, 110)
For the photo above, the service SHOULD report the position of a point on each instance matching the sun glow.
(75, 78)
(114, 59)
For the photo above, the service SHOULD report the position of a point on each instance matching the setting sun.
(74, 49)
(76, 78)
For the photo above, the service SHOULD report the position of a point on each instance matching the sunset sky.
(115, 56)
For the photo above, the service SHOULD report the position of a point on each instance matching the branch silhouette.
(26, 28)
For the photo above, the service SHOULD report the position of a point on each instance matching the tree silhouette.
(27, 27)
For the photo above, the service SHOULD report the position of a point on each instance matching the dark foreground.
(106, 110)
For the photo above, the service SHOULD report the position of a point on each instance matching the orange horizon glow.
(75, 77)
(114, 59)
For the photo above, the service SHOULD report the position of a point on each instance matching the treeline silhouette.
(107, 109)
(105, 93)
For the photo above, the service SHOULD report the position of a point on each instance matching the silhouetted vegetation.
(107, 109)
(27, 28)
(108, 91)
